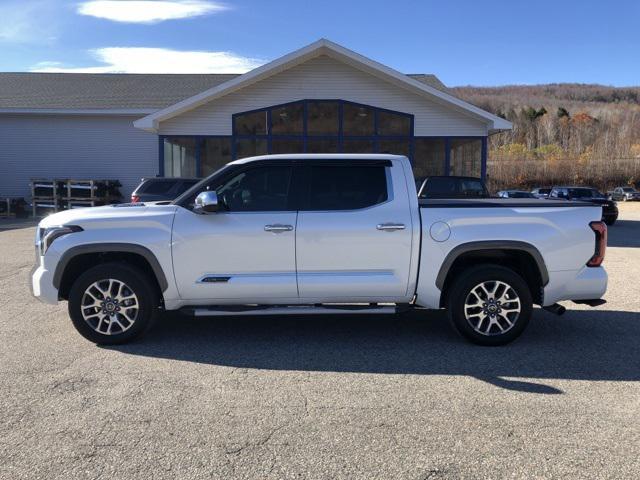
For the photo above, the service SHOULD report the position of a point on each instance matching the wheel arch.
(524, 258)
(80, 257)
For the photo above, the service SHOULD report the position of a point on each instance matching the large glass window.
(288, 119)
(256, 190)
(214, 154)
(322, 145)
(358, 120)
(287, 145)
(323, 118)
(358, 145)
(390, 123)
(428, 157)
(180, 157)
(250, 147)
(347, 187)
(324, 126)
(250, 123)
(395, 146)
(465, 157)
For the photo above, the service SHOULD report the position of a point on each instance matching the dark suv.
(591, 195)
(161, 189)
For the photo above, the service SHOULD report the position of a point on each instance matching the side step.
(251, 310)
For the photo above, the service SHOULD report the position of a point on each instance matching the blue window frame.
(391, 129)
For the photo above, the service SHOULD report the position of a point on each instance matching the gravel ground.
(322, 397)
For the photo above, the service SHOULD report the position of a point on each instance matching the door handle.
(390, 227)
(278, 228)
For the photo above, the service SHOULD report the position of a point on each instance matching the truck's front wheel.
(112, 303)
(490, 305)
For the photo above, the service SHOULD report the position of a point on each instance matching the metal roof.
(114, 91)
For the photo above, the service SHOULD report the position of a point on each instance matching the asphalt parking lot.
(322, 397)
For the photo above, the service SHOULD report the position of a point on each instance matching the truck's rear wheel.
(112, 303)
(490, 305)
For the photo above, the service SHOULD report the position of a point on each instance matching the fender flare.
(453, 255)
(144, 252)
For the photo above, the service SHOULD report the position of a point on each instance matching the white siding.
(59, 146)
(323, 78)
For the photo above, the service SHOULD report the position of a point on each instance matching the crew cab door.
(244, 253)
(354, 234)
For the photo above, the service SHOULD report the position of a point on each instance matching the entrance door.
(244, 253)
(354, 234)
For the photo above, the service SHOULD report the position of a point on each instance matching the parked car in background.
(515, 194)
(159, 189)
(624, 193)
(541, 192)
(320, 233)
(453, 187)
(591, 195)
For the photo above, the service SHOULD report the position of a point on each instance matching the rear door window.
(348, 187)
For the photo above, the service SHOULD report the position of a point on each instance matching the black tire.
(137, 282)
(461, 289)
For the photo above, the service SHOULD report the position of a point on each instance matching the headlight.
(46, 236)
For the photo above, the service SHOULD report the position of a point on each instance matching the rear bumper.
(588, 283)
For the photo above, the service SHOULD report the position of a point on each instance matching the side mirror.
(206, 202)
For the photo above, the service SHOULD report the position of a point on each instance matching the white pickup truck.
(319, 234)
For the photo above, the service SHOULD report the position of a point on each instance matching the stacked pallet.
(91, 193)
(44, 196)
(61, 194)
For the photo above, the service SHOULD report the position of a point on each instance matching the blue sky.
(463, 42)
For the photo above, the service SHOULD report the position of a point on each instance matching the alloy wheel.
(492, 308)
(109, 306)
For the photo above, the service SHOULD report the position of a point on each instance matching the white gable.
(323, 77)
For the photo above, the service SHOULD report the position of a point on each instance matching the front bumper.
(41, 284)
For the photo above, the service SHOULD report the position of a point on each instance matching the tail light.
(135, 198)
(600, 229)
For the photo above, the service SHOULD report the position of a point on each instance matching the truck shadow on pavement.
(581, 345)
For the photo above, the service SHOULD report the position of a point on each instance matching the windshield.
(628, 189)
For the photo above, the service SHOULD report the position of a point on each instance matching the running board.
(295, 310)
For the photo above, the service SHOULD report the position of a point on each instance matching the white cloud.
(157, 60)
(148, 11)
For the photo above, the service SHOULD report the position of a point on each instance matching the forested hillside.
(563, 133)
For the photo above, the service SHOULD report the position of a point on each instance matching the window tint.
(157, 186)
(261, 189)
(347, 187)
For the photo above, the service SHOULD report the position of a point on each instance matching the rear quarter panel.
(561, 235)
